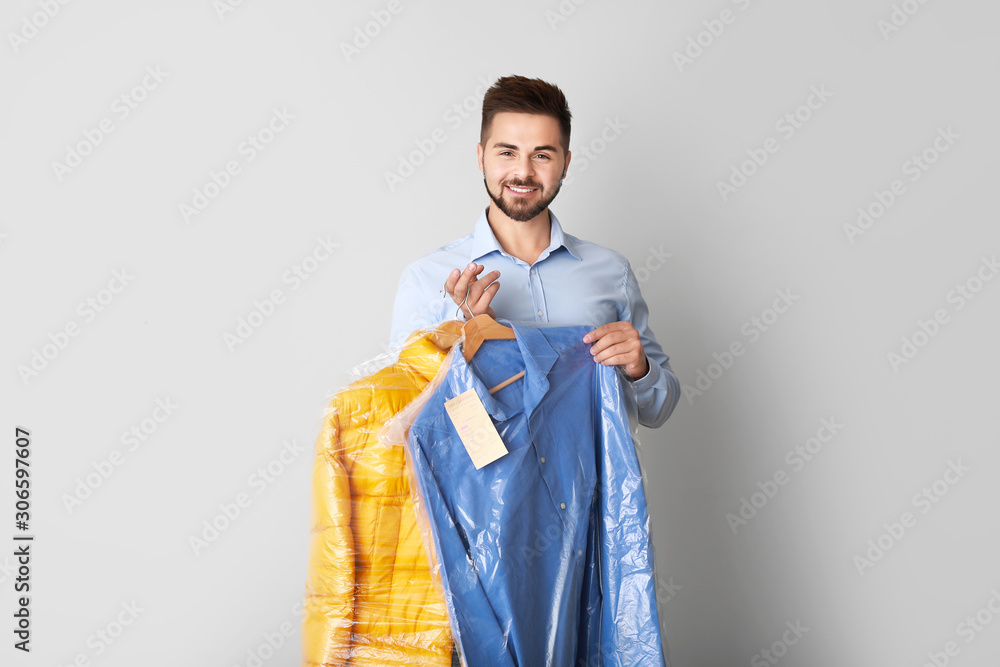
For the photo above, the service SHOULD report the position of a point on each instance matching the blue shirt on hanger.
(544, 553)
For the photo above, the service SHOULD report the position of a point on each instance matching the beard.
(518, 210)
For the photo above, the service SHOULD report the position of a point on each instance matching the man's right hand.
(481, 289)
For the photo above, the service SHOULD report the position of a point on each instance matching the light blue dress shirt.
(571, 282)
(544, 553)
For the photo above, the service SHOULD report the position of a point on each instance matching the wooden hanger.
(482, 328)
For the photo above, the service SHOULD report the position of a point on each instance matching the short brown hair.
(519, 94)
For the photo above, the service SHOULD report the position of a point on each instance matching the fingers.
(449, 284)
(458, 281)
(482, 284)
(610, 334)
(601, 331)
(618, 354)
(616, 360)
(480, 299)
(606, 341)
(469, 281)
(615, 343)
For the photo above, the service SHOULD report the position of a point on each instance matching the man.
(549, 276)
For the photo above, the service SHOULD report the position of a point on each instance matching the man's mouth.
(520, 190)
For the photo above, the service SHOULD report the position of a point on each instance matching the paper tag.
(475, 428)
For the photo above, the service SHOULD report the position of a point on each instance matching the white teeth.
(519, 189)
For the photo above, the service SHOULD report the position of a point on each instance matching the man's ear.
(569, 154)
(479, 158)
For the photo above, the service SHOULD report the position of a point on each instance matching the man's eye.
(543, 155)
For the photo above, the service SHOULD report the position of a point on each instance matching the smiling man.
(548, 275)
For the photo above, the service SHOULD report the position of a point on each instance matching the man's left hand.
(618, 344)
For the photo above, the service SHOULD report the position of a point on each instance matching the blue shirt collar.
(538, 356)
(484, 241)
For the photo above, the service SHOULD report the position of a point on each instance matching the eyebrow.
(537, 148)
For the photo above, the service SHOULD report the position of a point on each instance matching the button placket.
(537, 295)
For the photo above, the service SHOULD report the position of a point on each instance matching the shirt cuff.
(649, 379)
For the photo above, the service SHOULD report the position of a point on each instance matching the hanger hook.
(458, 310)
(464, 302)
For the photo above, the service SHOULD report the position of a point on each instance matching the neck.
(524, 240)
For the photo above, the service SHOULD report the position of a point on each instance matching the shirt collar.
(538, 357)
(484, 241)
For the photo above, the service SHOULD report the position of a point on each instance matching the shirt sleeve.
(419, 305)
(658, 391)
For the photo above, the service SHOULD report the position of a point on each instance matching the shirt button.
(562, 505)
(542, 459)
(539, 313)
(579, 552)
(532, 272)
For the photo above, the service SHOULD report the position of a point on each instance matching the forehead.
(525, 130)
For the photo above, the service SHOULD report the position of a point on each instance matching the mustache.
(522, 184)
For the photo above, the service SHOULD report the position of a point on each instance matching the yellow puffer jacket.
(370, 596)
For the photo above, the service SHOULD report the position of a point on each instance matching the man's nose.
(524, 169)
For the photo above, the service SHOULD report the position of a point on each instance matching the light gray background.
(724, 596)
